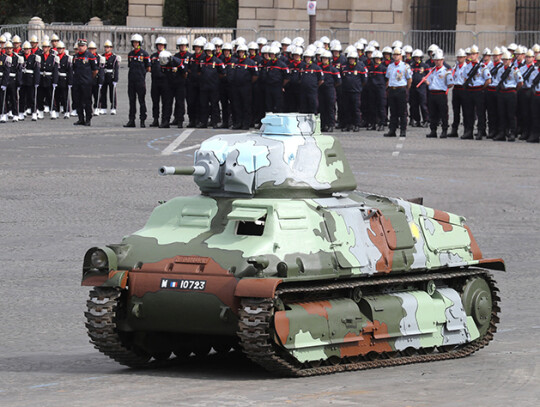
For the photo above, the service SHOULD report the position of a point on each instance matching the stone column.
(145, 13)
(36, 27)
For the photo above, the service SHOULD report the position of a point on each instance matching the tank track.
(256, 338)
(101, 326)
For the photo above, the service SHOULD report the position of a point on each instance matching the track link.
(256, 337)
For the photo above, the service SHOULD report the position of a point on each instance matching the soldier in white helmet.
(439, 82)
(226, 89)
(376, 93)
(159, 90)
(30, 81)
(535, 104)
(458, 92)
(211, 70)
(65, 80)
(276, 78)
(181, 82)
(193, 87)
(354, 77)
(5, 69)
(85, 70)
(98, 80)
(54, 43)
(17, 50)
(244, 76)
(327, 92)
(311, 77)
(492, 93)
(110, 78)
(34, 43)
(524, 101)
(139, 66)
(292, 90)
(399, 77)
(48, 82)
(13, 78)
(418, 92)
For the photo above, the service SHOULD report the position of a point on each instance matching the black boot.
(444, 133)
(330, 129)
(467, 135)
(201, 126)
(237, 127)
(480, 135)
(511, 136)
(500, 137)
(79, 123)
(191, 125)
(432, 134)
(534, 138)
(174, 122)
(87, 123)
(356, 129)
(524, 136)
(403, 133)
(131, 123)
(155, 123)
(454, 132)
(164, 125)
(142, 124)
(391, 133)
(380, 127)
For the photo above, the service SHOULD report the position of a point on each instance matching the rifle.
(496, 69)
(504, 76)
(473, 72)
(528, 73)
(536, 80)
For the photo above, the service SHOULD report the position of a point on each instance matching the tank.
(281, 258)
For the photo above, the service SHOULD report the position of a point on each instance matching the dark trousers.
(137, 91)
(492, 110)
(535, 115)
(458, 95)
(12, 102)
(397, 103)
(95, 95)
(27, 97)
(438, 110)
(507, 103)
(309, 100)
(363, 107)
(107, 88)
(351, 106)
(60, 98)
(158, 92)
(339, 101)
(327, 106)
(474, 104)
(193, 101)
(524, 111)
(242, 105)
(418, 103)
(82, 97)
(209, 99)
(167, 98)
(376, 105)
(180, 101)
(44, 97)
(259, 101)
(292, 98)
(274, 98)
(226, 103)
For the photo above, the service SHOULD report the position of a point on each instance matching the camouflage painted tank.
(280, 257)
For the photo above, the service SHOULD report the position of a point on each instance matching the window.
(438, 16)
(527, 19)
(251, 227)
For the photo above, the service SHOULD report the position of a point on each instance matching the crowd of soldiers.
(233, 85)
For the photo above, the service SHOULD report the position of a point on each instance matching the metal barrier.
(15, 29)
(381, 36)
(497, 38)
(448, 41)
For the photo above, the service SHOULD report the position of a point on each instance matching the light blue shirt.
(528, 83)
(481, 76)
(459, 79)
(398, 75)
(494, 76)
(513, 79)
(440, 79)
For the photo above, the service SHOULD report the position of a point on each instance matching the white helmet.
(377, 54)
(520, 50)
(417, 53)
(503, 49)
(319, 51)
(218, 42)
(276, 44)
(397, 51)
(407, 49)
(512, 47)
(496, 51)
(3, 38)
(228, 45)
(336, 47)
(165, 57)
(298, 41)
(487, 51)
(241, 47)
(397, 44)
(199, 42)
(363, 41)
(297, 51)
(108, 43)
(468, 50)
(26, 45)
(265, 49)
(474, 49)
(506, 55)
(92, 45)
(352, 54)
(209, 47)
(334, 43)
(161, 40)
(60, 45)
(461, 53)
(16, 38)
(273, 50)
(239, 40)
(308, 53)
(46, 43)
(325, 40)
(536, 48)
(326, 54)
(529, 53)
(262, 41)
(433, 48)
(387, 50)
(375, 44)
(312, 47)
(182, 41)
(438, 54)
(33, 38)
(359, 46)
(7, 35)
(253, 45)
(9, 44)
(318, 44)
(286, 41)
(137, 37)
(351, 48)
(55, 37)
(370, 48)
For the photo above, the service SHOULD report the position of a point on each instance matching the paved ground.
(64, 189)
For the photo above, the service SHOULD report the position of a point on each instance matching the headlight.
(99, 260)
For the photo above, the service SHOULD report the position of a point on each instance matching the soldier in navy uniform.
(172, 68)
(226, 91)
(159, 89)
(311, 77)
(292, 89)
(353, 79)
(138, 65)
(376, 91)
(257, 95)
(13, 81)
(338, 61)
(193, 87)
(65, 80)
(49, 80)
(439, 82)
(276, 77)
(244, 75)
(29, 83)
(327, 92)
(418, 94)
(180, 85)
(399, 77)
(211, 69)
(5, 69)
(85, 70)
(110, 79)
(458, 91)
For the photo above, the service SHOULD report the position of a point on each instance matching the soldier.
(439, 82)
(138, 65)
(171, 67)
(5, 69)
(180, 86)
(218, 44)
(261, 42)
(376, 91)
(524, 96)
(535, 108)
(285, 53)
(48, 82)
(110, 79)
(244, 75)
(85, 70)
(477, 79)
(13, 82)
(193, 82)
(353, 79)
(364, 96)
(276, 77)
(326, 42)
(327, 92)
(97, 83)
(338, 61)
(387, 56)
(29, 82)
(519, 53)
(311, 77)
(259, 90)
(2, 44)
(159, 90)
(17, 50)
(399, 77)
(65, 80)
(408, 54)
(418, 92)
(34, 44)
(492, 93)
(432, 48)
(211, 69)
(54, 43)
(226, 91)
(292, 89)
(510, 80)
(458, 92)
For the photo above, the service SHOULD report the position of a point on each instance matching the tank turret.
(288, 157)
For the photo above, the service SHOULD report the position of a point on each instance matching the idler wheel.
(477, 301)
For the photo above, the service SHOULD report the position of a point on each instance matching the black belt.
(396, 87)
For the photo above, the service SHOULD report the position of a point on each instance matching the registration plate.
(182, 284)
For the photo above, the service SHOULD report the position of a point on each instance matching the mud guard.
(257, 287)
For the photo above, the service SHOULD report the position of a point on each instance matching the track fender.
(257, 287)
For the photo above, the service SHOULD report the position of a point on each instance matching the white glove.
(3, 88)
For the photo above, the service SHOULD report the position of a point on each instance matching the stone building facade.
(145, 13)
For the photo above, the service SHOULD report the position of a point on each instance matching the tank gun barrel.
(188, 170)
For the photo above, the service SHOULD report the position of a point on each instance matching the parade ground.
(65, 188)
